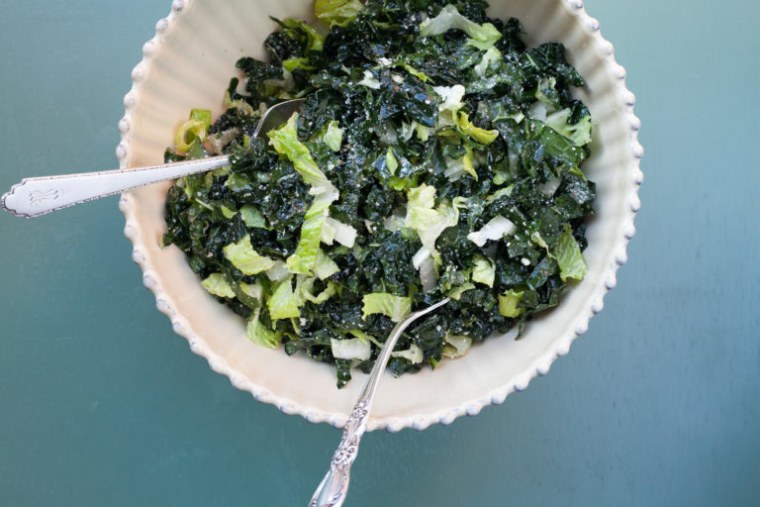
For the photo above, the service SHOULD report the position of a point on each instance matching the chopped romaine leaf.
(579, 133)
(284, 303)
(481, 36)
(217, 285)
(395, 307)
(333, 136)
(304, 259)
(508, 304)
(429, 223)
(259, 334)
(477, 134)
(242, 255)
(306, 288)
(569, 257)
(484, 271)
(370, 81)
(192, 132)
(456, 294)
(352, 348)
(298, 29)
(253, 217)
(490, 58)
(456, 345)
(285, 141)
(333, 230)
(326, 267)
(413, 354)
(496, 229)
(337, 12)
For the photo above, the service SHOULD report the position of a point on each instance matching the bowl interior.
(188, 65)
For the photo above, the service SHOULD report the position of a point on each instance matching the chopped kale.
(436, 155)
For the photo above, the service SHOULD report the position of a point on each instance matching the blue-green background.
(658, 404)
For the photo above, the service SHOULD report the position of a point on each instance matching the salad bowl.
(188, 65)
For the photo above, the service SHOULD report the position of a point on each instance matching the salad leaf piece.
(477, 134)
(337, 12)
(294, 64)
(395, 307)
(496, 229)
(484, 271)
(251, 295)
(326, 267)
(285, 141)
(413, 354)
(508, 303)
(284, 302)
(579, 133)
(352, 348)
(259, 333)
(217, 285)
(491, 58)
(370, 81)
(304, 259)
(456, 346)
(245, 258)
(429, 223)
(481, 36)
(301, 30)
(320, 298)
(333, 136)
(334, 230)
(569, 257)
(253, 217)
(193, 132)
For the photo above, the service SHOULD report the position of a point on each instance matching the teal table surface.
(657, 404)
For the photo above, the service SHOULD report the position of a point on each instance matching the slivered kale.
(435, 155)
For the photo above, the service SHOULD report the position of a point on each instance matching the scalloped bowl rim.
(539, 366)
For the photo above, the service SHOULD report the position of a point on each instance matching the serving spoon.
(33, 197)
(332, 491)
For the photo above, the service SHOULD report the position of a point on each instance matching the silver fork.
(33, 197)
(332, 491)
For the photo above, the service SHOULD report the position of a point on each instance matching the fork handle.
(33, 197)
(333, 489)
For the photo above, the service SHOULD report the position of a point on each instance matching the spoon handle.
(332, 491)
(37, 196)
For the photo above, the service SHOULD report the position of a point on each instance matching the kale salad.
(435, 155)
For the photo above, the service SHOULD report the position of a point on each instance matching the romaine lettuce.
(351, 348)
(285, 141)
(481, 36)
(216, 284)
(508, 304)
(337, 12)
(242, 255)
(395, 307)
(569, 257)
(259, 333)
(284, 303)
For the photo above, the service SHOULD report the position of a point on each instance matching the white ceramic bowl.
(189, 63)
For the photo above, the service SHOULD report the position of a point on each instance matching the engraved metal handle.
(38, 196)
(332, 491)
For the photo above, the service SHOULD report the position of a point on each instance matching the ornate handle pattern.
(332, 491)
(38, 196)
